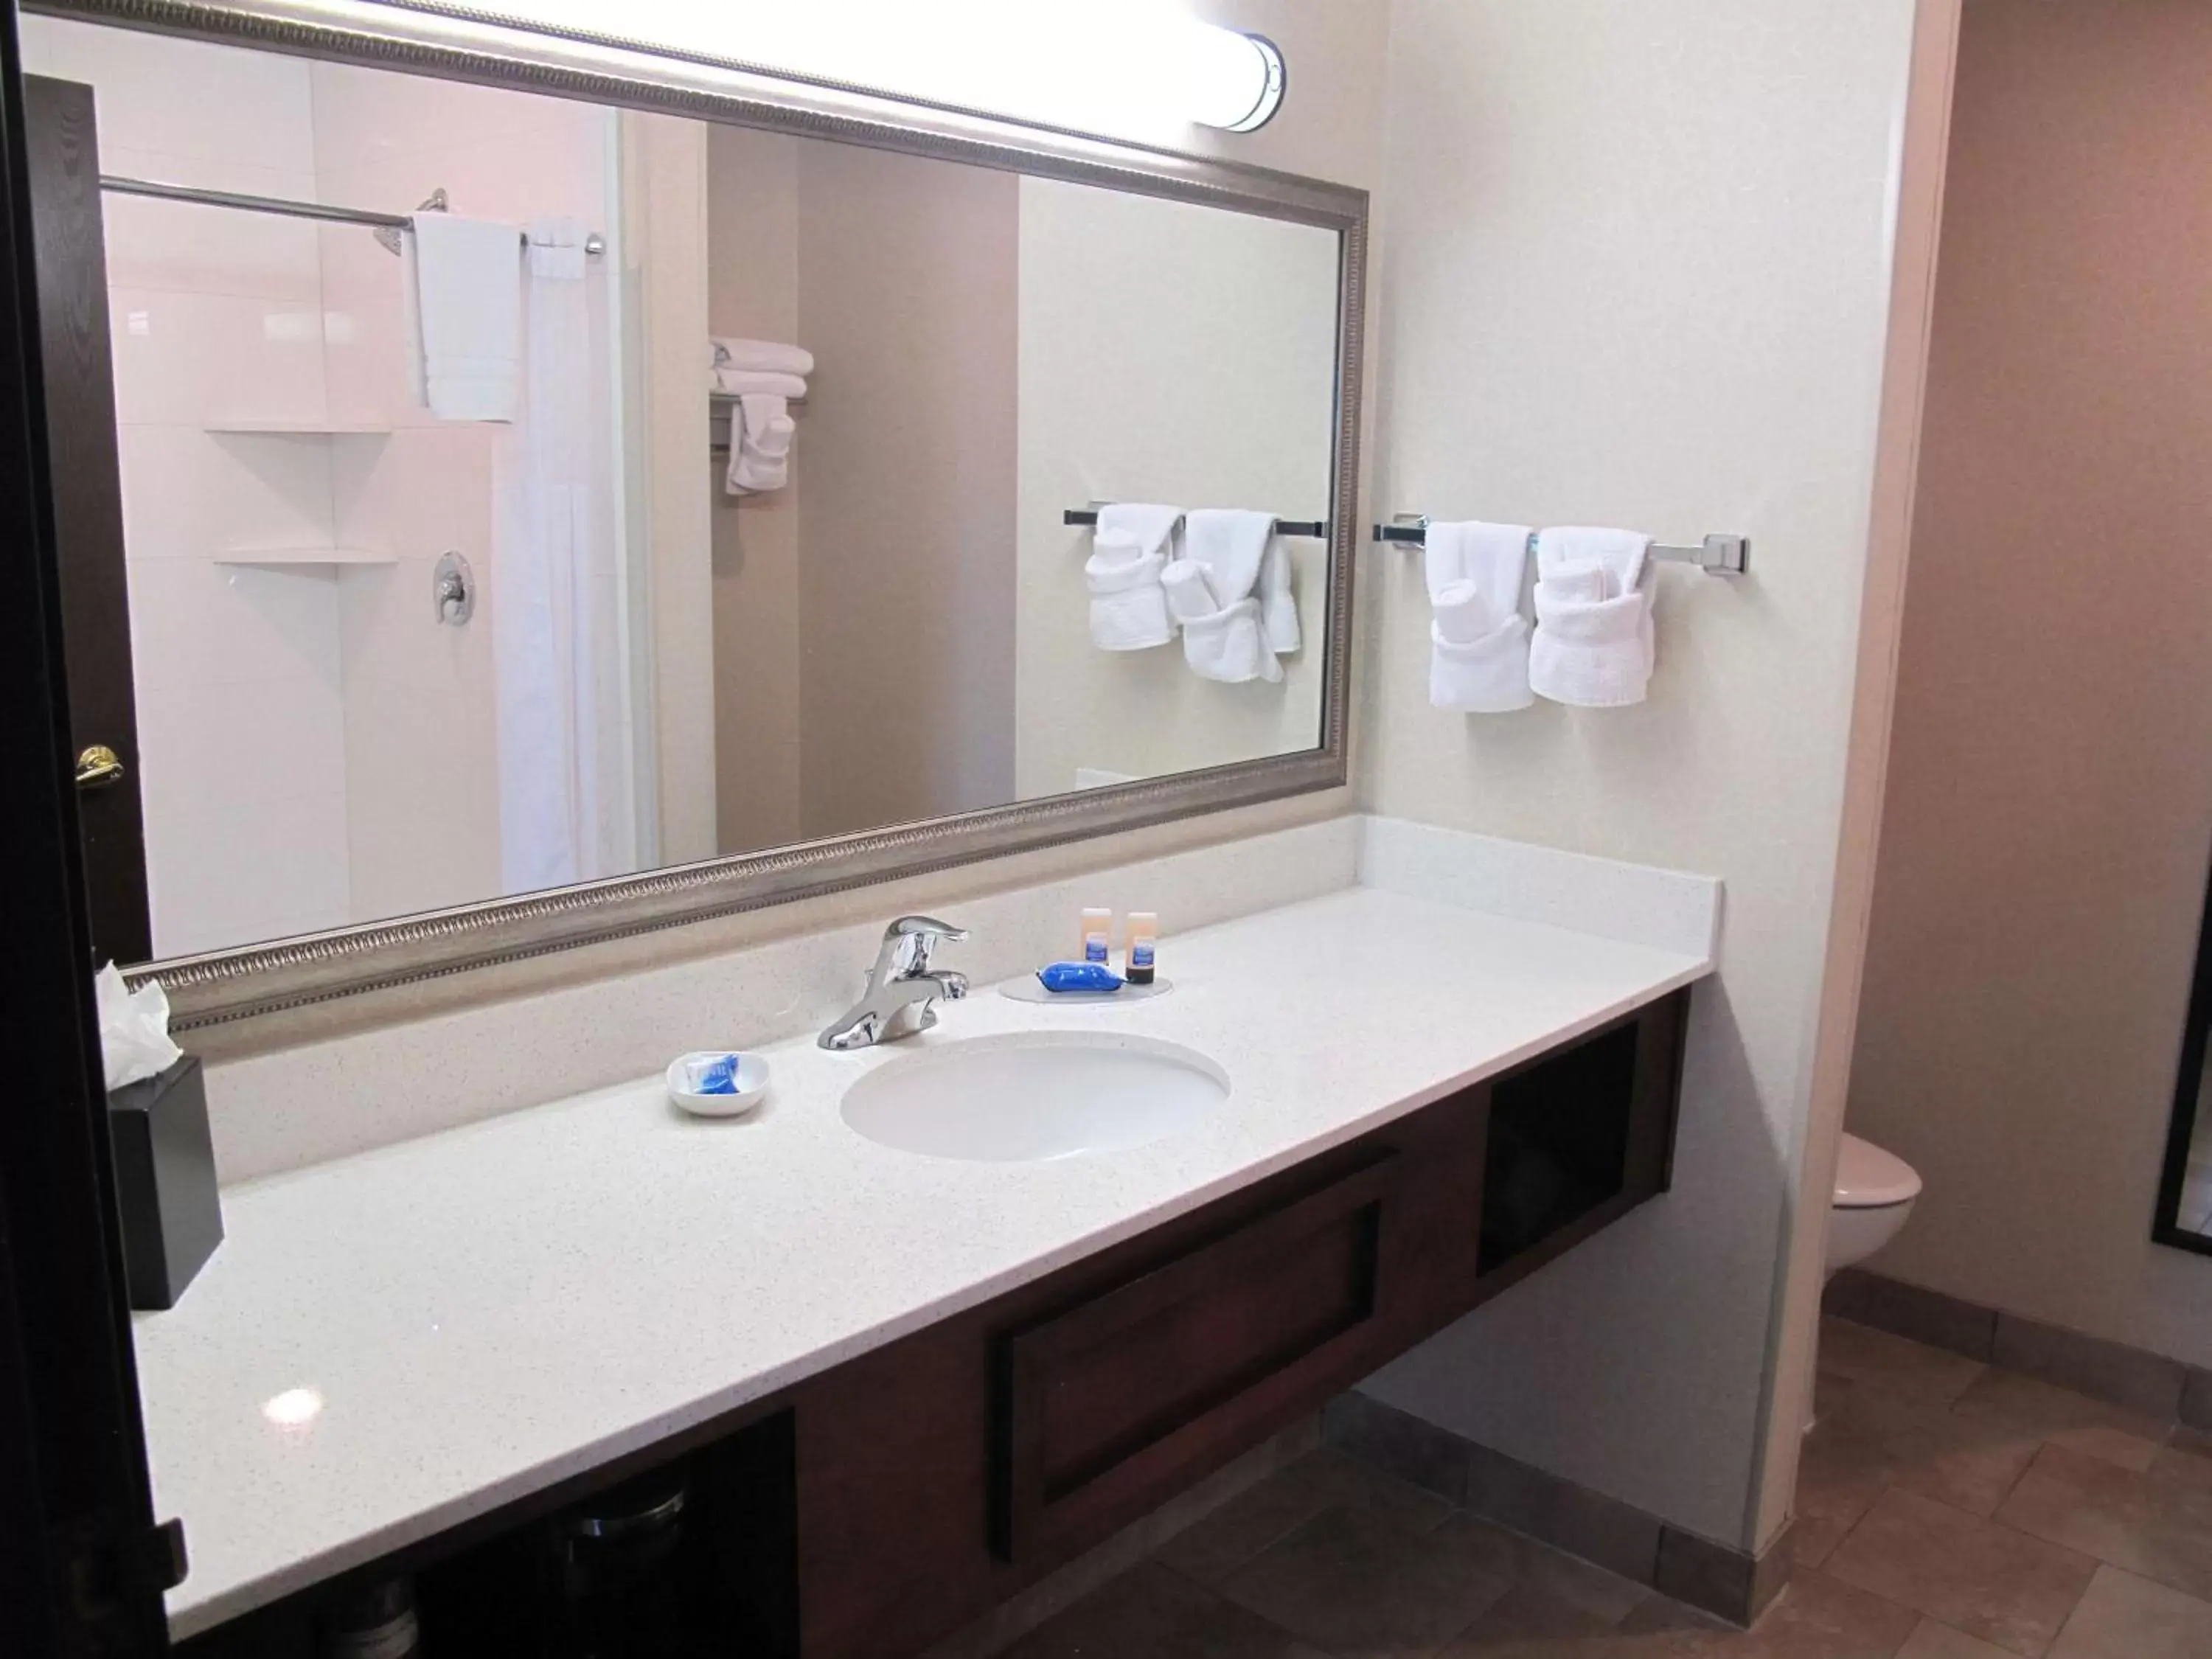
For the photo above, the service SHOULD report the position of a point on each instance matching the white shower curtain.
(564, 807)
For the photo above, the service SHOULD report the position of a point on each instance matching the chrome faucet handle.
(910, 941)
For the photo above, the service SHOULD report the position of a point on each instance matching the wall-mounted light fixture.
(1131, 68)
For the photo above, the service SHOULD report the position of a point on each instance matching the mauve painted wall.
(2050, 806)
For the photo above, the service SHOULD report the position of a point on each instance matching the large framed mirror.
(515, 495)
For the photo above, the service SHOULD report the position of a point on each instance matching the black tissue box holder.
(157, 1130)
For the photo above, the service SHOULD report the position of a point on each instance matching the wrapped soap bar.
(1079, 977)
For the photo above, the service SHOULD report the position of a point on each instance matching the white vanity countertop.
(488, 1310)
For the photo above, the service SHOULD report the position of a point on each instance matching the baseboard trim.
(2112, 1372)
(1727, 1583)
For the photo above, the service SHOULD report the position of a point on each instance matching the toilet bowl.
(1874, 1193)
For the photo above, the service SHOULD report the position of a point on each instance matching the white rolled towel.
(1594, 646)
(769, 356)
(1221, 642)
(1128, 606)
(1477, 638)
(1477, 664)
(761, 434)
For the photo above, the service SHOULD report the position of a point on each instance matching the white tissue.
(134, 1029)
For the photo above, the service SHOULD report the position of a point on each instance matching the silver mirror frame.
(220, 985)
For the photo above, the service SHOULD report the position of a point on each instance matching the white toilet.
(1875, 1191)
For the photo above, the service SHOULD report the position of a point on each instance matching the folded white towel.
(742, 381)
(1128, 606)
(1154, 526)
(465, 279)
(1232, 544)
(1229, 645)
(761, 431)
(1478, 640)
(1223, 642)
(1595, 645)
(768, 356)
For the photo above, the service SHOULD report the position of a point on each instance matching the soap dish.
(685, 1073)
(1026, 989)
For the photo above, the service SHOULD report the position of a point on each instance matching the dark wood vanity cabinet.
(885, 1503)
(939, 1474)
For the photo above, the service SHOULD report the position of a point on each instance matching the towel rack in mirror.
(388, 227)
(1718, 556)
(718, 407)
(1317, 528)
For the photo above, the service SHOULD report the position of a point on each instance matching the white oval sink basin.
(1036, 1096)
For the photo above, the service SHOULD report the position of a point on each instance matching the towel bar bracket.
(1717, 556)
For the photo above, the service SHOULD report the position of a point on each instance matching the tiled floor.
(1947, 1510)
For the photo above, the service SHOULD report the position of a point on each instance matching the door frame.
(77, 1539)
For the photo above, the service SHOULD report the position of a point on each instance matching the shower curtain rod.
(388, 223)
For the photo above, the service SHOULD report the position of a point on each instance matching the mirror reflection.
(604, 491)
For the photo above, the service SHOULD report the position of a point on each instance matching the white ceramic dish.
(684, 1071)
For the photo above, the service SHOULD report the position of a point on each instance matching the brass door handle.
(98, 767)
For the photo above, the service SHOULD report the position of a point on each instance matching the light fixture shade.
(1136, 69)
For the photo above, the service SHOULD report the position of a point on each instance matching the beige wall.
(2043, 853)
(665, 267)
(906, 578)
(752, 275)
(1640, 274)
(1168, 353)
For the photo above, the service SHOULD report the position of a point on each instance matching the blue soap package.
(717, 1077)
(1079, 977)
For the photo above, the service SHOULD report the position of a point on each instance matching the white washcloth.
(1478, 640)
(741, 382)
(761, 431)
(766, 357)
(1128, 606)
(465, 278)
(1223, 642)
(1153, 526)
(1595, 645)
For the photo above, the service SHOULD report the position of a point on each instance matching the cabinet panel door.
(1128, 1393)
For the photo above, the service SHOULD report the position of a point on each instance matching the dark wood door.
(62, 154)
(82, 1567)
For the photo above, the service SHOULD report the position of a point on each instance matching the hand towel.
(761, 431)
(1232, 544)
(1222, 643)
(766, 356)
(1128, 606)
(1593, 646)
(467, 313)
(1153, 526)
(741, 382)
(1477, 638)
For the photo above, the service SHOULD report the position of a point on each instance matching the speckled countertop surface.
(485, 1311)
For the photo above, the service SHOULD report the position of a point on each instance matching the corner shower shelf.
(299, 428)
(304, 557)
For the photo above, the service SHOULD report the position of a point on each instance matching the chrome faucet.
(902, 987)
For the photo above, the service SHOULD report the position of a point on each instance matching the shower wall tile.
(194, 624)
(188, 246)
(193, 494)
(182, 99)
(201, 359)
(234, 871)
